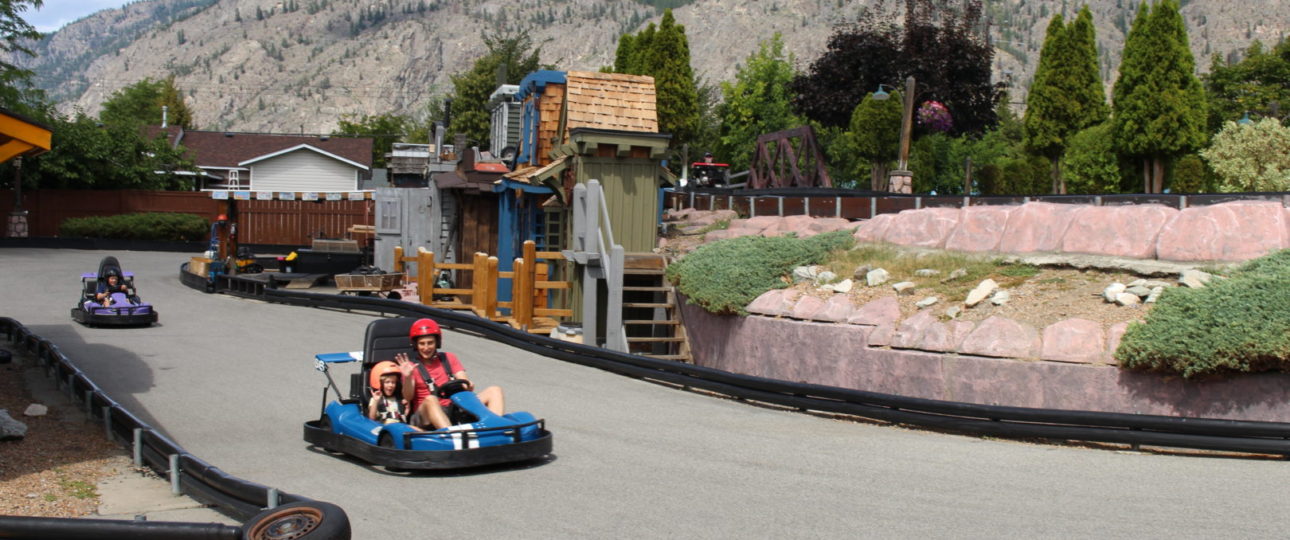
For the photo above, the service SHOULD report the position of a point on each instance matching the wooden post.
(479, 274)
(490, 295)
(425, 276)
(398, 259)
(522, 295)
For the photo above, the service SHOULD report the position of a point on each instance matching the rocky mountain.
(291, 66)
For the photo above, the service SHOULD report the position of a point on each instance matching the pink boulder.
(1234, 231)
(756, 225)
(1074, 340)
(881, 335)
(774, 303)
(946, 337)
(1113, 336)
(1118, 231)
(873, 231)
(981, 229)
(806, 307)
(1036, 226)
(885, 310)
(909, 333)
(837, 309)
(1003, 338)
(927, 227)
(823, 225)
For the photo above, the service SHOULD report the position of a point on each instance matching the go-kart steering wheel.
(449, 388)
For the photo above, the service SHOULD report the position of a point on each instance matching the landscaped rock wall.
(841, 354)
(1066, 365)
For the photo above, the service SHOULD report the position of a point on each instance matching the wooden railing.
(530, 284)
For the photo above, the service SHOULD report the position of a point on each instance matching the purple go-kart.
(123, 308)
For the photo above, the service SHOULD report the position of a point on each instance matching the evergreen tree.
(757, 102)
(1066, 95)
(177, 112)
(16, 90)
(509, 59)
(623, 55)
(1159, 106)
(674, 87)
(875, 135)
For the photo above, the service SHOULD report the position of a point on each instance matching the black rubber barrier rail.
(241, 499)
(968, 418)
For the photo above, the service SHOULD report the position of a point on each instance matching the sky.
(56, 13)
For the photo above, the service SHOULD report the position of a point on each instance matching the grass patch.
(79, 488)
(718, 226)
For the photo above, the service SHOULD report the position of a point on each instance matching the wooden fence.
(272, 222)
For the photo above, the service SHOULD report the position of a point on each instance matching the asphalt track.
(232, 380)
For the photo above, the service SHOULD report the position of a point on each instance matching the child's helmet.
(425, 327)
(382, 368)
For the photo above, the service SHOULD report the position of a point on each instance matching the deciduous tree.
(757, 102)
(1251, 157)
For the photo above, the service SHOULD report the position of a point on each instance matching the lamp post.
(901, 180)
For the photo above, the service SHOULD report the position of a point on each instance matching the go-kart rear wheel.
(313, 520)
(385, 440)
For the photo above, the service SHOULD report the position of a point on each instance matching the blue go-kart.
(123, 308)
(343, 427)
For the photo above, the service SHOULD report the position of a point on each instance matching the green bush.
(1240, 324)
(162, 226)
(725, 276)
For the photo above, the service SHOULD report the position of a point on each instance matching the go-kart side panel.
(428, 460)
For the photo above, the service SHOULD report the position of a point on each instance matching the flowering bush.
(933, 115)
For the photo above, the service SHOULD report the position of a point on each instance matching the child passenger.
(387, 405)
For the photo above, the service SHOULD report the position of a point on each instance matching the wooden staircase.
(651, 313)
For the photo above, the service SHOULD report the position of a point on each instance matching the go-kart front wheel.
(313, 520)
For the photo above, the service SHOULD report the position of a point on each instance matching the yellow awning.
(21, 137)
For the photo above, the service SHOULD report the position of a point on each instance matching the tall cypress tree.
(678, 99)
(1047, 122)
(1066, 95)
(1159, 106)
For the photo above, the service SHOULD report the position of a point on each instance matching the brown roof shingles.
(227, 149)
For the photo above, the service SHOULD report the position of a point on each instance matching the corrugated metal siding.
(631, 196)
(303, 170)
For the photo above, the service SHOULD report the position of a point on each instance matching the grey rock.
(804, 273)
(956, 274)
(876, 277)
(953, 312)
(1000, 297)
(861, 271)
(982, 291)
(825, 277)
(843, 286)
(1139, 290)
(1113, 290)
(904, 287)
(927, 302)
(1151, 284)
(1127, 299)
(1136, 283)
(36, 409)
(927, 272)
(11, 429)
(1194, 278)
(1155, 295)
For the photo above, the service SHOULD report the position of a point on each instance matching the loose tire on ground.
(313, 520)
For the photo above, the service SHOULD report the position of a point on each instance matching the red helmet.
(425, 327)
(382, 368)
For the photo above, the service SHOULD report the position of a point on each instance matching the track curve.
(231, 380)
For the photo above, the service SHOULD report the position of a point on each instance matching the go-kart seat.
(384, 339)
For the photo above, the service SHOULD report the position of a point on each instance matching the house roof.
(231, 149)
(611, 101)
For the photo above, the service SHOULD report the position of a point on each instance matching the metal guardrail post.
(272, 498)
(174, 474)
(107, 421)
(137, 447)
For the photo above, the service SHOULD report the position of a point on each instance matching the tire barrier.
(967, 418)
(265, 511)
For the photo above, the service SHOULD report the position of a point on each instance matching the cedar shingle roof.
(227, 149)
(611, 101)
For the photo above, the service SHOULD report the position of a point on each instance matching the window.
(387, 215)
